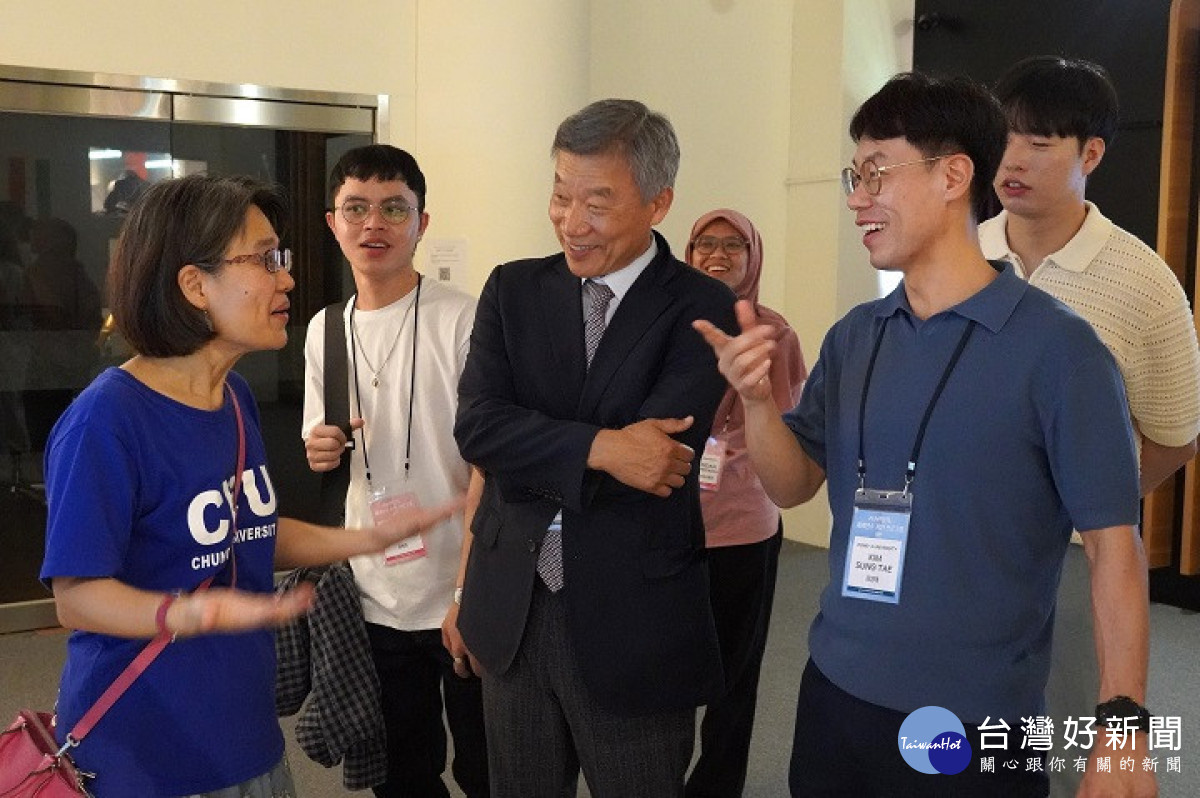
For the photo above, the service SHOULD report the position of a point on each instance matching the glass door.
(72, 160)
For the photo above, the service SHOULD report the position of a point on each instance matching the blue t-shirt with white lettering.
(138, 488)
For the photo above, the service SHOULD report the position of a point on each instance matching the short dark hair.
(626, 127)
(187, 220)
(381, 162)
(1048, 95)
(939, 116)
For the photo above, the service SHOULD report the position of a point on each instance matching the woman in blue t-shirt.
(141, 472)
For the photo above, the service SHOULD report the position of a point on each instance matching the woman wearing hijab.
(743, 527)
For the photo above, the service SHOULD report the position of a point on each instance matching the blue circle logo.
(933, 740)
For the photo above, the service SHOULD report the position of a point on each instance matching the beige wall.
(719, 70)
(475, 87)
(759, 91)
(494, 79)
(843, 52)
(283, 43)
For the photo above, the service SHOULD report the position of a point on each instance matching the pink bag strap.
(156, 646)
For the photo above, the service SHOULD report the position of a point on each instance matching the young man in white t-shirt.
(406, 345)
(1062, 115)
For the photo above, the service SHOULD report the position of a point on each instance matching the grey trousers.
(543, 726)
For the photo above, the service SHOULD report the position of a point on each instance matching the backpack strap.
(335, 483)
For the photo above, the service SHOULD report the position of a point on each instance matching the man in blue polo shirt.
(964, 424)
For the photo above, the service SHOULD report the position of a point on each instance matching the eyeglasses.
(730, 246)
(392, 211)
(273, 260)
(872, 175)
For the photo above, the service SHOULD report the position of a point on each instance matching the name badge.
(878, 539)
(712, 463)
(383, 506)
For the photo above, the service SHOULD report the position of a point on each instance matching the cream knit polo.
(1135, 304)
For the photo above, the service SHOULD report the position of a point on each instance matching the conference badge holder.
(385, 504)
(878, 539)
(712, 463)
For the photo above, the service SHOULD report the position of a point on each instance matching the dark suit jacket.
(636, 591)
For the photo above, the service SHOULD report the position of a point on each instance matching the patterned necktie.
(550, 563)
(599, 295)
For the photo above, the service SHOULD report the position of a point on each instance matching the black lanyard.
(412, 382)
(911, 470)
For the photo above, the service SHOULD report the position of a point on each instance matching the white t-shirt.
(1135, 304)
(412, 594)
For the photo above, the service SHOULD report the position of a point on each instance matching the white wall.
(759, 91)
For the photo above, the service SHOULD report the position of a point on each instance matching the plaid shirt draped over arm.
(324, 656)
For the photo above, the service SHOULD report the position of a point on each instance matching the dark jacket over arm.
(636, 580)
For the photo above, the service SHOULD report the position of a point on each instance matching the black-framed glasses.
(393, 211)
(871, 175)
(273, 260)
(730, 246)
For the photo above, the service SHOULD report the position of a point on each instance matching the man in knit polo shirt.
(1062, 114)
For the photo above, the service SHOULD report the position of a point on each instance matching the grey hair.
(626, 127)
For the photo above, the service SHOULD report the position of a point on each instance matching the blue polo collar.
(991, 307)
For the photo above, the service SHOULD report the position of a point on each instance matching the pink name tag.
(383, 507)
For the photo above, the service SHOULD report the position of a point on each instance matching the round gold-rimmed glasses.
(871, 175)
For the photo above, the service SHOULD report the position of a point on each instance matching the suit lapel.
(558, 302)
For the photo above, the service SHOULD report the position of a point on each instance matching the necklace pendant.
(375, 382)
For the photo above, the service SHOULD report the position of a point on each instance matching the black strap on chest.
(335, 483)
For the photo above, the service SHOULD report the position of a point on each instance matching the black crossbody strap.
(335, 483)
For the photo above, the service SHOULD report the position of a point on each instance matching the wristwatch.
(1128, 713)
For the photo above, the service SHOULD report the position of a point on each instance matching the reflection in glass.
(119, 176)
(66, 185)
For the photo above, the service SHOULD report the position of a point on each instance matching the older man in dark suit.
(586, 398)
